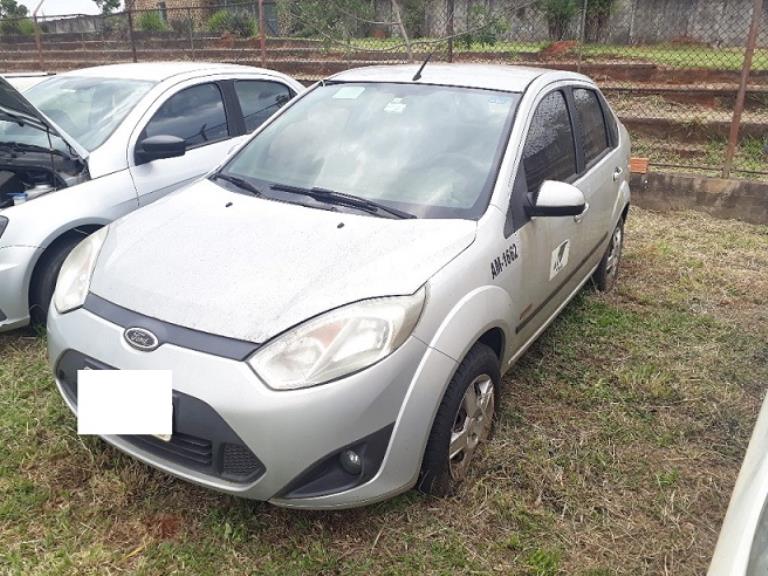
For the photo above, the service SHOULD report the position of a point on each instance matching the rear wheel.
(463, 423)
(608, 269)
(45, 275)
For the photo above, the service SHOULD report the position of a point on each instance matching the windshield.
(88, 109)
(431, 151)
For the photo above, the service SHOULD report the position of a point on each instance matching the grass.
(619, 438)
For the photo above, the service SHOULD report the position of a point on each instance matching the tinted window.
(195, 114)
(589, 115)
(259, 100)
(549, 150)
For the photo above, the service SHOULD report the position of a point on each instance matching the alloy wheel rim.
(612, 265)
(472, 425)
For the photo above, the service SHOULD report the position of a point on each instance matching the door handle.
(616, 173)
(579, 217)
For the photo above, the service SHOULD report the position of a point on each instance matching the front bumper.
(287, 431)
(16, 264)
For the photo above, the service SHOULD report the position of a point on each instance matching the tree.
(559, 14)
(14, 18)
(107, 6)
(11, 9)
(598, 13)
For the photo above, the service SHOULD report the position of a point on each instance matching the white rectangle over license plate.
(125, 402)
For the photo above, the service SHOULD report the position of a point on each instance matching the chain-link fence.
(677, 73)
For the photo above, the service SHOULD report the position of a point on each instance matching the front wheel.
(463, 422)
(608, 269)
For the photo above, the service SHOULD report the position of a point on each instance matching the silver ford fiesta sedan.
(339, 300)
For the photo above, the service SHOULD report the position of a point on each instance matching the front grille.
(202, 441)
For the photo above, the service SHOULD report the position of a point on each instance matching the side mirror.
(160, 147)
(557, 199)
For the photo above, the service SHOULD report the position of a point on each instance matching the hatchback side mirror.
(160, 147)
(557, 199)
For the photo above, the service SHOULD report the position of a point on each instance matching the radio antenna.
(417, 76)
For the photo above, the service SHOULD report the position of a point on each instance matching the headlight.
(338, 342)
(75, 276)
(3, 224)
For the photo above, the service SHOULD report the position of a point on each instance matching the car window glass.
(589, 116)
(549, 152)
(195, 114)
(260, 99)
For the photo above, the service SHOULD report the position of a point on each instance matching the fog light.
(351, 462)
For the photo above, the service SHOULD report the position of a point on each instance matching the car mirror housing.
(557, 199)
(160, 147)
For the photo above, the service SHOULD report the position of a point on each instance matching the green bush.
(238, 23)
(23, 27)
(152, 22)
(483, 28)
(183, 25)
(559, 14)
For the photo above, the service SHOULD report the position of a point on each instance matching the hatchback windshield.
(88, 109)
(431, 151)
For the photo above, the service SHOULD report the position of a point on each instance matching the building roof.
(488, 76)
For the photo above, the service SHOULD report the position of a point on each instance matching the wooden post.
(129, 10)
(449, 28)
(749, 52)
(38, 39)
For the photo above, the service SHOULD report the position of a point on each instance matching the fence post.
(262, 35)
(191, 31)
(449, 29)
(749, 51)
(129, 9)
(38, 39)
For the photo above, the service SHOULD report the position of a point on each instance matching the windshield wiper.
(341, 199)
(241, 183)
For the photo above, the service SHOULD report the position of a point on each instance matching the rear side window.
(549, 152)
(259, 99)
(195, 114)
(591, 122)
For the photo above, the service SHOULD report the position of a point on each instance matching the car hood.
(14, 103)
(254, 268)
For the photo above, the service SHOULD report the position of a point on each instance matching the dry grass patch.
(619, 438)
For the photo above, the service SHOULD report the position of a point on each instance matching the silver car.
(116, 138)
(339, 301)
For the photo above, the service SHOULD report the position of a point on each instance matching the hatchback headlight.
(75, 275)
(339, 342)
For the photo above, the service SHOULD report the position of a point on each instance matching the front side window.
(87, 108)
(432, 151)
(196, 115)
(549, 152)
(259, 99)
(591, 122)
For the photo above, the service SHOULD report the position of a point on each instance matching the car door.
(601, 174)
(198, 115)
(551, 248)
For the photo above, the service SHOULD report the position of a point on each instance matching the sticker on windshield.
(349, 92)
(559, 258)
(498, 104)
(395, 106)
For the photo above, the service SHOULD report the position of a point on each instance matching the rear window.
(591, 122)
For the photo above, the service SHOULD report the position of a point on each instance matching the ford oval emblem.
(141, 339)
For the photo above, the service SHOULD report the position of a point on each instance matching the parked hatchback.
(339, 301)
(115, 138)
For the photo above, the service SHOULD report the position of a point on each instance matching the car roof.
(159, 71)
(486, 76)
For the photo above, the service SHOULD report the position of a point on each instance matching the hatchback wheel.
(608, 269)
(463, 423)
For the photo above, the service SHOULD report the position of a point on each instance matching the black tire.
(46, 273)
(607, 271)
(436, 476)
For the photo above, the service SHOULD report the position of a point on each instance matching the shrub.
(183, 25)
(23, 27)
(238, 23)
(483, 27)
(152, 22)
(559, 14)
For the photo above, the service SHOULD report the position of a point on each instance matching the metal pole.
(191, 26)
(262, 35)
(582, 33)
(38, 39)
(449, 29)
(129, 9)
(749, 51)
